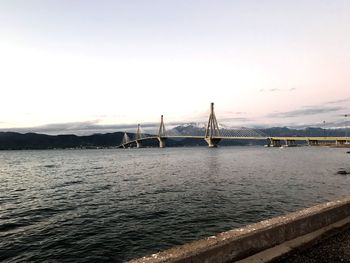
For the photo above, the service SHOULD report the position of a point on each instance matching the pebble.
(333, 249)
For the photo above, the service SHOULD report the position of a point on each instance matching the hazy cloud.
(311, 110)
(233, 113)
(328, 125)
(277, 89)
(234, 119)
(114, 116)
(89, 127)
(339, 101)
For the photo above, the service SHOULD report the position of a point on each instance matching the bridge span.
(213, 135)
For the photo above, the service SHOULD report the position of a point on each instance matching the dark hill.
(19, 141)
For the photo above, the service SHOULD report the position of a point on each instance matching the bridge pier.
(290, 143)
(162, 141)
(212, 142)
(138, 144)
(268, 143)
(313, 142)
(340, 142)
(275, 143)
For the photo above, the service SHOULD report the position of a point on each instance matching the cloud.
(339, 124)
(305, 111)
(339, 101)
(234, 119)
(277, 89)
(233, 113)
(88, 127)
(71, 127)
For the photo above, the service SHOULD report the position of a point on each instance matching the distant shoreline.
(35, 141)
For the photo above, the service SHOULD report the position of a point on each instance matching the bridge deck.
(242, 138)
(250, 138)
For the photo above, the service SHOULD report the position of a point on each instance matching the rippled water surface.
(114, 205)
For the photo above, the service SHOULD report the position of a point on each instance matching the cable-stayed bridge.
(213, 134)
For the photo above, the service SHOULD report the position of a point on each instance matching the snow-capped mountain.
(188, 129)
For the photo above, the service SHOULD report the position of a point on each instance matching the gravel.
(333, 249)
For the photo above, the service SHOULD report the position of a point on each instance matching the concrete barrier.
(278, 236)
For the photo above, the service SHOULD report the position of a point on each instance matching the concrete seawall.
(263, 241)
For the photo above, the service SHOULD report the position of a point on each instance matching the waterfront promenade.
(333, 249)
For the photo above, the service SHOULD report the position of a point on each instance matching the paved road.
(334, 249)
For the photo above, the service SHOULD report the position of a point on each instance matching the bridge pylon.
(138, 137)
(162, 133)
(212, 132)
(125, 140)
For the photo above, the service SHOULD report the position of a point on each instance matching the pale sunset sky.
(72, 65)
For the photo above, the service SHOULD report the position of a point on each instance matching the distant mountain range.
(19, 141)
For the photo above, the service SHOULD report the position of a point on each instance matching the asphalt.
(333, 249)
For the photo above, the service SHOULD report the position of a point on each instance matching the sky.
(80, 66)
